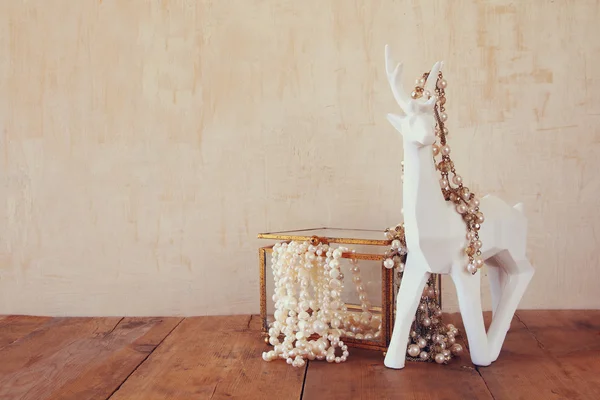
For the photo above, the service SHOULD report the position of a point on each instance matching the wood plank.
(364, 376)
(572, 338)
(78, 358)
(14, 327)
(524, 370)
(213, 358)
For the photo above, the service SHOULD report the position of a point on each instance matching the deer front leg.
(411, 288)
(468, 291)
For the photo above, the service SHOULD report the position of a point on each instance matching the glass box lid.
(332, 235)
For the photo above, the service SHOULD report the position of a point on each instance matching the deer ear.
(396, 121)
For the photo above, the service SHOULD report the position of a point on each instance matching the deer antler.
(395, 82)
(404, 101)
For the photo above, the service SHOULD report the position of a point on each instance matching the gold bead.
(266, 339)
(414, 95)
(445, 166)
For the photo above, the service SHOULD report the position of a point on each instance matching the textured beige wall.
(145, 143)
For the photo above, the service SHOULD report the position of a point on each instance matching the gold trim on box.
(283, 236)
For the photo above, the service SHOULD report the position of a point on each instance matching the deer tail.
(520, 207)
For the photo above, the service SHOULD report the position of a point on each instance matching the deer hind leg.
(498, 278)
(409, 294)
(468, 290)
(518, 275)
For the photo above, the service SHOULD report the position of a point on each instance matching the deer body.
(436, 238)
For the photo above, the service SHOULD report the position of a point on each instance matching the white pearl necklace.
(320, 312)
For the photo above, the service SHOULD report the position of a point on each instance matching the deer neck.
(423, 202)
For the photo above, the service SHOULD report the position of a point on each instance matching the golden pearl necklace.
(466, 203)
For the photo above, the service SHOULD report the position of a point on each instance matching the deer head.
(416, 121)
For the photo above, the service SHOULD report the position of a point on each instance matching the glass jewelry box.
(374, 291)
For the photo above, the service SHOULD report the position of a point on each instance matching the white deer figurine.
(436, 237)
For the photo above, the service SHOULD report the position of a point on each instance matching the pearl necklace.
(323, 315)
(466, 203)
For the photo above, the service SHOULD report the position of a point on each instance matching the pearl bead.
(445, 150)
(426, 322)
(478, 263)
(477, 244)
(424, 355)
(444, 117)
(436, 149)
(465, 193)
(439, 358)
(470, 235)
(420, 82)
(461, 208)
(334, 273)
(330, 358)
(413, 350)
(474, 203)
(446, 353)
(421, 342)
(480, 218)
(457, 179)
(442, 84)
(456, 349)
(319, 326)
(471, 268)
(396, 244)
(389, 263)
(444, 183)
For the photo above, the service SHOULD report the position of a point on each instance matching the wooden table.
(547, 355)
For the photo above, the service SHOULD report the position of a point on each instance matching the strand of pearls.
(309, 312)
(466, 203)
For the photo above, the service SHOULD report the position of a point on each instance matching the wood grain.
(78, 358)
(547, 355)
(364, 376)
(14, 327)
(572, 339)
(525, 370)
(213, 358)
